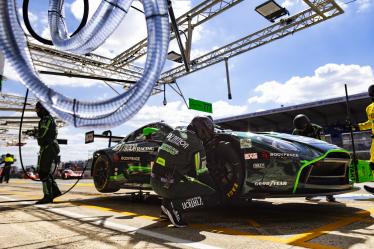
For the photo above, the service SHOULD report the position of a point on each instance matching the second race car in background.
(243, 164)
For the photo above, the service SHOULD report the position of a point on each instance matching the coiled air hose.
(107, 113)
(105, 20)
(25, 11)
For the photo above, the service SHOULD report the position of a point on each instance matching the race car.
(70, 174)
(243, 164)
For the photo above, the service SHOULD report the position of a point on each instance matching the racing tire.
(101, 174)
(229, 172)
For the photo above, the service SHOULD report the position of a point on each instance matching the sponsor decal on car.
(284, 155)
(232, 190)
(132, 148)
(250, 156)
(192, 202)
(169, 149)
(130, 158)
(271, 155)
(245, 143)
(258, 165)
(272, 183)
(172, 138)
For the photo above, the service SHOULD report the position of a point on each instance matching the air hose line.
(106, 113)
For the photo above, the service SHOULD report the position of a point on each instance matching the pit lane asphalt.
(85, 218)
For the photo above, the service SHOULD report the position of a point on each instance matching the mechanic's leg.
(45, 163)
(52, 185)
(2, 175)
(185, 195)
(372, 156)
(191, 194)
(54, 188)
(207, 179)
(7, 174)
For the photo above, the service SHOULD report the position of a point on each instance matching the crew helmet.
(301, 121)
(40, 109)
(204, 128)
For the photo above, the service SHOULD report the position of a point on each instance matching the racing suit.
(8, 161)
(314, 131)
(179, 173)
(49, 149)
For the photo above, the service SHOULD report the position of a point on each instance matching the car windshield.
(270, 141)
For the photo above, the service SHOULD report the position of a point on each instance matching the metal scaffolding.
(121, 70)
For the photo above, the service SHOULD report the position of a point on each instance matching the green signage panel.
(200, 105)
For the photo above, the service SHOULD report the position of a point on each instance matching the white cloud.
(9, 73)
(53, 80)
(364, 5)
(176, 113)
(292, 3)
(132, 29)
(327, 82)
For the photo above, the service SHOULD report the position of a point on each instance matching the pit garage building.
(329, 113)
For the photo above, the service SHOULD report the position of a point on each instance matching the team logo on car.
(258, 165)
(250, 156)
(245, 143)
(272, 183)
(130, 158)
(132, 148)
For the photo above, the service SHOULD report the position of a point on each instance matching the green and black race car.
(244, 164)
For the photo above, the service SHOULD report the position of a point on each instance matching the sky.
(310, 65)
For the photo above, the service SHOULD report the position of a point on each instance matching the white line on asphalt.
(124, 228)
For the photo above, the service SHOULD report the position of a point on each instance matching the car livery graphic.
(243, 164)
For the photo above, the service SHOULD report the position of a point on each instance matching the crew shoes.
(174, 215)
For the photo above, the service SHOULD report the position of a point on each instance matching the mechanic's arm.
(200, 162)
(42, 135)
(365, 126)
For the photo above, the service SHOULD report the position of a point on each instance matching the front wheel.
(101, 174)
(227, 169)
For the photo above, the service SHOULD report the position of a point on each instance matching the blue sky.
(309, 65)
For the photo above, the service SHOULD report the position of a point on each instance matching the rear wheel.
(227, 170)
(101, 174)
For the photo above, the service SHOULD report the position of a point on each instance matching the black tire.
(101, 174)
(228, 173)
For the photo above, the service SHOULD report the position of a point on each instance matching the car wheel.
(228, 172)
(101, 174)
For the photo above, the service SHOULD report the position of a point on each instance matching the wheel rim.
(100, 173)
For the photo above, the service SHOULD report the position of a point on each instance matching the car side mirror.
(148, 131)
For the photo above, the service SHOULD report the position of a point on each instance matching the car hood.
(307, 148)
